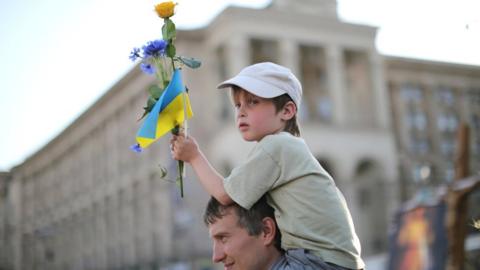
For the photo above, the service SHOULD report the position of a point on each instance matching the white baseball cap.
(267, 80)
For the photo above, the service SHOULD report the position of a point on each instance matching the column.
(380, 90)
(336, 83)
(289, 56)
(129, 232)
(101, 240)
(15, 220)
(237, 53)
(80, 242)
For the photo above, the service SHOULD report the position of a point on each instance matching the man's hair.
(291, 126)
(250, 220)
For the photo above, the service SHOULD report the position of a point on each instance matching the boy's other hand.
(182, 148)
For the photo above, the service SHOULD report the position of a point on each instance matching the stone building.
(429, 100)
(7, 223)
(85, 201)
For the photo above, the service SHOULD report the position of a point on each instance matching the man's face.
(235, 248)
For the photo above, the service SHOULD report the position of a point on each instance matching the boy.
(310, 211)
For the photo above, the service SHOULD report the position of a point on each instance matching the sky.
(59, 56)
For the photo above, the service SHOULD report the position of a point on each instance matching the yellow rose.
(165, 9)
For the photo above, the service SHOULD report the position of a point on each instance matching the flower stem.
(180, 176)
(160, 72)
(176, 131)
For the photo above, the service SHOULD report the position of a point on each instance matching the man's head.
(272, 82)
(243, 239)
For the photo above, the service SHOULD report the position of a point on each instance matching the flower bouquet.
(168, 105)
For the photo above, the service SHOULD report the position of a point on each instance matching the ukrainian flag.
(170, 110)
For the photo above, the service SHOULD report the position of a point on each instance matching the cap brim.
(254, 86)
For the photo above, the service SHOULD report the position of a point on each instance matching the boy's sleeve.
(251, 180)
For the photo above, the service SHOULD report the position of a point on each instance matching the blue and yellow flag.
(169, 111)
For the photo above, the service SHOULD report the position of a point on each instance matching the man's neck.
(274, 258)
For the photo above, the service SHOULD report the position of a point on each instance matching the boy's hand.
(182, 148)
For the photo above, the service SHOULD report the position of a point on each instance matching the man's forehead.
(224, 224)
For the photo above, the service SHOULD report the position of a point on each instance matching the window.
(447, 146)
(225, 104)
(313, 75)
(449, 173)
(364, 198)
(421, 173)
(474, 121)
(411, 93)
(221, 63)
(445, 96)
(447, 122)
(263, 51)
(359, 88)
(416, 120)
(419, 145)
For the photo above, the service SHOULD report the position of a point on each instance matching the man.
(250, 240)
(243, 239)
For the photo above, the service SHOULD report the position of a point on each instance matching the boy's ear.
(289, 110)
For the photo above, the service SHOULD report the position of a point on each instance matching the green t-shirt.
(310, 210)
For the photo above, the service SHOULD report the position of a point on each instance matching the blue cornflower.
(147, 68)
(154, 48)
(134, 54)
(136, 148)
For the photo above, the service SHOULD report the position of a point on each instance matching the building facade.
(429, 101)
(85, 201)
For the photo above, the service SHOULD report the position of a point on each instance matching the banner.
(419, 239)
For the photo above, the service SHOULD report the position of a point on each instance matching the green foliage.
(168, 30)
(155, 92)
(157, 58)
(176, 130)
(163, 171)
(180, 176)
(171, 50)
(150, 103)
(189, 62)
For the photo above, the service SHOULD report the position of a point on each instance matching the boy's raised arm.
(187, 149)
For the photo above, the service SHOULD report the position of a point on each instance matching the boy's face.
(256, 117)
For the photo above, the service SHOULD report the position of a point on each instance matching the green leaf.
(150, 104)
(155, 91)
(190, 62)
(170, 51)
(168, 30)
(144, 114)
(165, 84)
(163, 171)
(176, 130)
